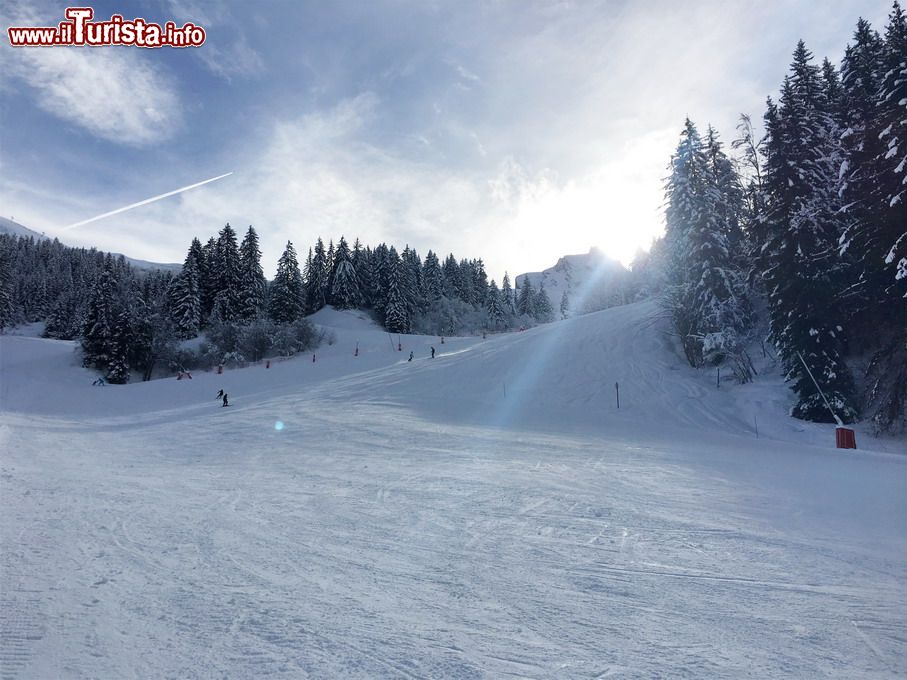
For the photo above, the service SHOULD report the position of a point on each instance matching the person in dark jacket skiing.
(220, 393)
(410, 356)
(226, 403)
(432, 352)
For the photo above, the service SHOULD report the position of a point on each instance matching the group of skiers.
(412, 355)
(183, 373)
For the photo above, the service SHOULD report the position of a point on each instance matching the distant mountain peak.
(585, 277)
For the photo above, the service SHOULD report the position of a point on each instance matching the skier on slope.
(432, 352)
(410, 356)
(220, 393)
(226, 403)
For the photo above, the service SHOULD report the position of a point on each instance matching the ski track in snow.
(488, 514)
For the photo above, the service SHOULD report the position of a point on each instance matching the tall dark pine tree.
(6, 298)
(687, 219)
(542, 305)
(882, 238)
(799, 259)
(525, 304)
(227, 303)
(120, 345)
(207, 278)
(252, 279)
(432, 278)
(184, 300)
(707, 291)
(345, 287)
(317, 283)
(397, 314)
(507, 297)
(493, 306)
(287, 291)
(99, 320)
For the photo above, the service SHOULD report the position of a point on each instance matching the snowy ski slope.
(488, 513)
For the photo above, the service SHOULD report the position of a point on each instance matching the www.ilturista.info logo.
(80, 30)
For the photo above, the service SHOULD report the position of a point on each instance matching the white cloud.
(109, 91)
(238, 59)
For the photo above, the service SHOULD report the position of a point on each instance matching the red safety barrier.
(845, 438)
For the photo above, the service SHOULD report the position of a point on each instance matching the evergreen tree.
(121, 342)
(208, 280)
(525, 305)
(397, 316)
(6, 301)
(565, 305)
(345, 290)
(432, 278)
(543, 311)
(287, 290)
(98, 328)
(252, 279)
(494, 307)
(184, 300)
(507, 296)
(798, 260)
(319, 282)
(227, 270)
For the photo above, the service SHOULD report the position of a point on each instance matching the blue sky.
(512, 131)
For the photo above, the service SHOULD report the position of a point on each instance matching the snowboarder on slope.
(410, 356)
(226, 403)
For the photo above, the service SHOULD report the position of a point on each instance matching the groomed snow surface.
(489, 513)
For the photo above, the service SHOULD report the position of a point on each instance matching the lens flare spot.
(278, 425)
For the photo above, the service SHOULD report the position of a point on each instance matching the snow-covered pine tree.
(318, 280)
(799, 260)
(120, 346)
(507, 297)
(309, 281)
(494, 307)
(287, 291)
(365, 272)
(383, 258)
(412, 269)
(184, 300)
(565, 305)
(544, 312)
(227, 303)
(688, 194)
(479, 282)
(208, 279)
(253, 285)
(525, 305)
(6, 298)
(432, 278)
(99, 320)
(451, 277)
(345, 290)
(327, 275)
(707, 295)
(884, 243)
(892, 159)
(397, 317)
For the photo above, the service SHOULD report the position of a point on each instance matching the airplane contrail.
(145, 202)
